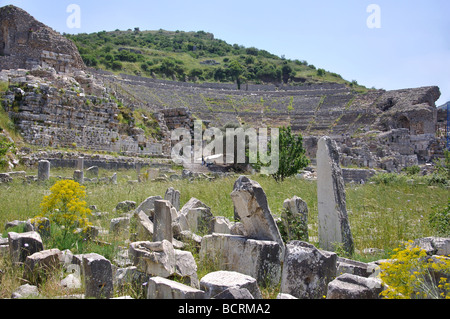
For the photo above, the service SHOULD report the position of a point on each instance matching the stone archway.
(403, 122)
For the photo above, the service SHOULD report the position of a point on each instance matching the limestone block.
(43, 170)
(39, 264)
(148, 206)
(97, 276)
(307, 271)
(217, 282)
(250, 203)
(23, 245)
(161, 288)
(348, 286)
(257, 258)
(162, 229)
(154, 258)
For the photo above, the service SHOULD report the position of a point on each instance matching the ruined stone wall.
(65, 116)
(27, 43)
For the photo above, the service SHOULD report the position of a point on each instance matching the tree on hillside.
(236, 70)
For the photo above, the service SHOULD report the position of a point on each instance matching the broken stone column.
(97, 276)
(78, 176)
(250, 203)
(334, 228)
(173, 196)
(43, 170)
(162, 227)
(80, 163)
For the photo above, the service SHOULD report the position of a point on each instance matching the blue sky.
(411, 49)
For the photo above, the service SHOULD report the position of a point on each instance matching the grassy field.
(381, 216)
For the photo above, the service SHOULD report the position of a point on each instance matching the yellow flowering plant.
(412, 274)
(66, 208)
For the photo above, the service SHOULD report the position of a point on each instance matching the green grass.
(381, 216)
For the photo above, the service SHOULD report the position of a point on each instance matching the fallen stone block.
(40, 264)
(154, 258)
(348, 286)
(162, 288)
(217, 282)
(257, 258)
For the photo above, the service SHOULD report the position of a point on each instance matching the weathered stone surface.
(186, 266)
(216, 282)
(250, 203)
(154, 258)
(23, 245)
(162, 227)
(38, 265)
(348, 266)
(72, 281)
(173, 196)
(295, 219)
(26, 291)
(334, 228)
(25, 42)
(434, 245)
(43, 170)
(257, 258)
(129, 276)
(221, 225)
(198, 216)
(148, 206)
(307, 271)
(98, 279)
(161, 288)
(348, 286)
(234, 293)
(144, 227)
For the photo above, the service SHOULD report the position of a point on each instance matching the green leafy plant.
(439, 220)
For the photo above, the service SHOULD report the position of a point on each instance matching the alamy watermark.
(374, 19)
(74, 19)
(234, 146)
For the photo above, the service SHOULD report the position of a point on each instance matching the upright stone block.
(307, 271)
(173, 196)
(256, 258)
(250, 203)
(78, 176)
(43, 170)
(98, 276)
(23, 245)
(162, 228)
(334, 228)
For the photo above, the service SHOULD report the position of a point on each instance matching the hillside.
(194, 57)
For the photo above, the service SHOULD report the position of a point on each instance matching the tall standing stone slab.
(98, 276)
(334, 228)
(173, 196)
(43, 170)
(250, 203)
(162, 227)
